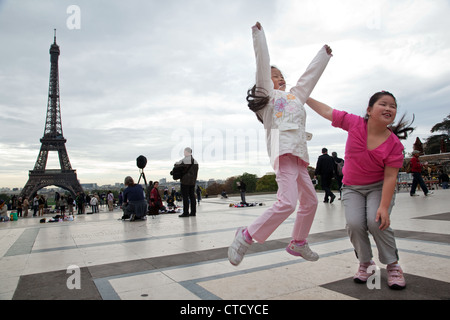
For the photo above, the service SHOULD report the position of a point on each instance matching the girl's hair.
(402, 128)
(258, 98)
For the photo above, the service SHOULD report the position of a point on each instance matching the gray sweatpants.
(361, 204)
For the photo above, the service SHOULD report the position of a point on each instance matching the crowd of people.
(135, 206)
(64, 204)
(133, 200)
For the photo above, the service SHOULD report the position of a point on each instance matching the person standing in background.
(416, 170)
(242, 188)
(110, 198)
(188, 181)
(325, 168)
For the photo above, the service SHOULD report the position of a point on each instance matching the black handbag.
(179, 170)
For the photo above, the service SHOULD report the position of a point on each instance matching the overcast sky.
(152, 77)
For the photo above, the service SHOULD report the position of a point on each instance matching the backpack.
(179, 170)
(340, 167)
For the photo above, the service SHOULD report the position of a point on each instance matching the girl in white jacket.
(284, 118)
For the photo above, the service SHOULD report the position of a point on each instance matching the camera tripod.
(142, 175)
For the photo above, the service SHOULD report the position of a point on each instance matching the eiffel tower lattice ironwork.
(53, 140)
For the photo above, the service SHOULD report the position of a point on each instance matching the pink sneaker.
(396, 280)
(362, 275)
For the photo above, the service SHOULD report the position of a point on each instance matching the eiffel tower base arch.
(64, 179)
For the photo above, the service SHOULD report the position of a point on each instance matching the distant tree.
(229, 185)
(311, 172)
(215, 189)
(443, 126)
(439, 142)
(5, 197)
(267, 183)
(249, 180)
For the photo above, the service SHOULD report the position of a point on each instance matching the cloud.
(139, 77)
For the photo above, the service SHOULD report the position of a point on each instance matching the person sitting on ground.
(3, 211)
(134, 204)
(443, 180)
(171, 202)
(155, 200)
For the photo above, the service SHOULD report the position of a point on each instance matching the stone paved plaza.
(100, 257)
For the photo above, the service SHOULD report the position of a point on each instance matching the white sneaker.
(238, 248)
(302, 251)
(429, 192)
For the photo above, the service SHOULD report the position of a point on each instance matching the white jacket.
(284, 116)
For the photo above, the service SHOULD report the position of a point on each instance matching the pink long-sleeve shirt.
(363, 166)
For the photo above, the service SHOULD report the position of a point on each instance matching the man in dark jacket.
(188, 181)
(325, 168)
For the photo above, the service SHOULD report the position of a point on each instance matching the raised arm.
(321, 108)
(309, 79)
(263, 71)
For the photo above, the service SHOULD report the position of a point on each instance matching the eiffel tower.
(53, 140)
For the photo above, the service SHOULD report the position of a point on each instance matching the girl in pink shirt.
(373, 156)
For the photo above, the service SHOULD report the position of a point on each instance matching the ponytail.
(257, 99)
(402, 128)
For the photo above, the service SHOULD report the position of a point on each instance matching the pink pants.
(294, 184)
